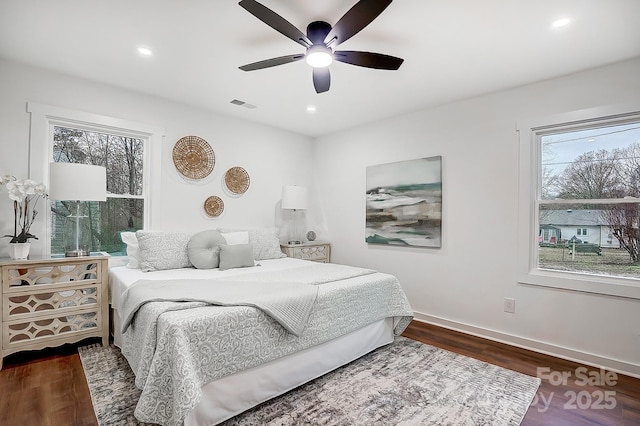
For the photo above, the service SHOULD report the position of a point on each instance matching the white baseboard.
(593, 360)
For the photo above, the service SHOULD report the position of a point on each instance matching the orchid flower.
(25, 195)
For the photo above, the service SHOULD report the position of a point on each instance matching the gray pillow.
(236, 256)
(204, 249)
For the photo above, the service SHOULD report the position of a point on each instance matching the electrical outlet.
(509, 305)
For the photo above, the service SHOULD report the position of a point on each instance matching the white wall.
(271, 156)
(462, 285)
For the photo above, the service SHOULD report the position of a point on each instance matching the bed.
(199, 363)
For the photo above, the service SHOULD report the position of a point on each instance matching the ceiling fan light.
(319, 56)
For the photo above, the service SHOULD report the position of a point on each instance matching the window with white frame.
(574, 173)
(125, 148)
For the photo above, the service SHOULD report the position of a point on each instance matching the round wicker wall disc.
(193, 157)
(237, 180)
(213, 206)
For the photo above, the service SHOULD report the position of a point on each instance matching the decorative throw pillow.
(265, 242)
(203, 249)
(129, 238)
(161, 250)
(236, 256)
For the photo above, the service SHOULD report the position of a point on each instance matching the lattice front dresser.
(312, 250)
(48, 301)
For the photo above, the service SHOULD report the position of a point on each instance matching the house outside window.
(580, 181)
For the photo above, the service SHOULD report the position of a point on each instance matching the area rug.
(404, 383)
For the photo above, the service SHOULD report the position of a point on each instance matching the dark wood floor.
(48, 388)
(45, 388)
(574, 401)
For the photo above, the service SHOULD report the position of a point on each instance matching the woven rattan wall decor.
(213, 206)
(237, 180)
(193, 157)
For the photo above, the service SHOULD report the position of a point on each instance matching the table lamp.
(294, 198)
(77, 182)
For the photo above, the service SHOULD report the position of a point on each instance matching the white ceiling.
(453, 49)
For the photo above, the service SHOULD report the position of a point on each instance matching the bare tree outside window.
(124, 209)
(623, 220)
(592, 175)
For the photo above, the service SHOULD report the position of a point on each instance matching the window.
(576, 173)
(125, 148)
(123, 158)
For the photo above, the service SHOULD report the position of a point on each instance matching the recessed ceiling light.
(311, 109)
(145, 51)
(559, 23)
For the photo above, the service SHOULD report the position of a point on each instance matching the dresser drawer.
(317, 252)
(21, 278)
(312, 253)
(40, 302)
(48, 329)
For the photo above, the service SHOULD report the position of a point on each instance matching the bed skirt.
(231, 395)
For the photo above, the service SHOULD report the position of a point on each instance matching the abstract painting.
(404, 203)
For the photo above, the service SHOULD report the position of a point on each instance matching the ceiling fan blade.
(275, 21)
(321, 79)
(358, 17)
(272, 62)
(368, 59)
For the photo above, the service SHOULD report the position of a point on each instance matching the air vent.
(243, 104)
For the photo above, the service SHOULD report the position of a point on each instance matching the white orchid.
(25, 195)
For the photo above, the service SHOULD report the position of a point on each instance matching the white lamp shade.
(78, 182)
(294, 197)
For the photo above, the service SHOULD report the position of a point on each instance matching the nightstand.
(311, 250)
(50, 301)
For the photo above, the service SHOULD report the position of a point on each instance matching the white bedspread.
(175, 351)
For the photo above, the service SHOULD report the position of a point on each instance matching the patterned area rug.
(407, 382)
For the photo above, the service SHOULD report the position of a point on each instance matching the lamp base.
(76, 253)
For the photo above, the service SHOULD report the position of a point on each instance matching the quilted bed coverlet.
(288, 303)
(175, 348)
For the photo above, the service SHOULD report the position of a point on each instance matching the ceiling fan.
(321, 39)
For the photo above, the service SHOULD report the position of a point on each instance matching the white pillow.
(160, 250)
(265, 242)
(129, 238)
(235, 238)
